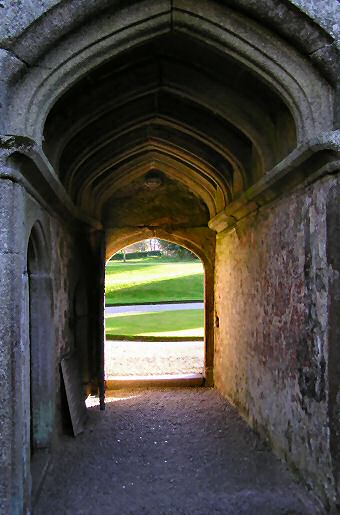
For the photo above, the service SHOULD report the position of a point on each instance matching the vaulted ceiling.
(168, 133)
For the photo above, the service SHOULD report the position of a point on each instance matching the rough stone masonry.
(233, 106)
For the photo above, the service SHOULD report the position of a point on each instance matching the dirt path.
(169, 451)
(150, 308)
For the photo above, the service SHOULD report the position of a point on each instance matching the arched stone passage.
(226, 29)
(186, 121)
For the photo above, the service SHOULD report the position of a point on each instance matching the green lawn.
(143, 281)
(179, 323)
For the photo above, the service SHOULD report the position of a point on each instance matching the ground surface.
(143, 282)
(169, 451)
(175, 323)
(147, 308)
(153, 358)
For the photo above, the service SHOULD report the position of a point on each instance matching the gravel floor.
(153, 358)
(169, 451)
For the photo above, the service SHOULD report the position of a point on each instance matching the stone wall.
(276, 290)
(76, 292)
(64, 257)
(325, 14)
(271, 355)
(68, 269)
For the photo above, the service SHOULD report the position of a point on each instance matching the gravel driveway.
(124, 358)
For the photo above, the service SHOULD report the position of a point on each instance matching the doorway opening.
(40, 358)
(154, 314)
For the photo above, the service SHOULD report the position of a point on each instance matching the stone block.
(12, 223)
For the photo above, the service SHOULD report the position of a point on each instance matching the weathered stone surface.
(11, 449)
(169, 204)
(333, 255)
(327, 17)
(16, 18)
(271, 283)
(50, 299)
(10, 69)
(234, 103)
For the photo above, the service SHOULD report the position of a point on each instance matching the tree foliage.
(173, 250)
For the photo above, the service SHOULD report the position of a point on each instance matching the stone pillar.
(209, 324)
(333, 258)
(101, 319)
(97, 303)
(14, 467)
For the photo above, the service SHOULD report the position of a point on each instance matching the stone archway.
(231, 106)
(41, 356)
(202, 243)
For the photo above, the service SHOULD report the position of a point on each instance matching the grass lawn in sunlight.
(162, 324)
(142, 281)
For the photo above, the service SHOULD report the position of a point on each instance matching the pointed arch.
(41, 342)
(200, 241)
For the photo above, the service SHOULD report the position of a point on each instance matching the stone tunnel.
(211, 124)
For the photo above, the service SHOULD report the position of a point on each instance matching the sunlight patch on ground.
(93, 401)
